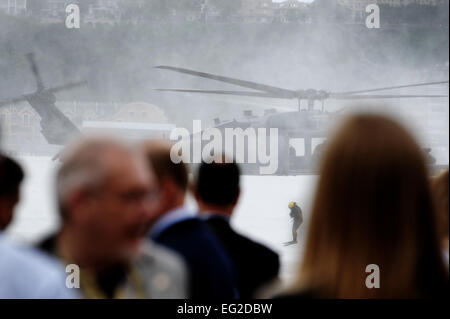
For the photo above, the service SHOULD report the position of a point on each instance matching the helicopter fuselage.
(55, 126)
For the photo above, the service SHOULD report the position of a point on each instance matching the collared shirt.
(170, 218)
(223, 274)
(27, 274)
(207, 215)
(155, 273)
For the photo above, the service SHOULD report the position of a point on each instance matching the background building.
(399, 8)
(20, 124)
(13, 7)
(293, 11)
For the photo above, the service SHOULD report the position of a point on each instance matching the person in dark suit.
(176, 227)
(216, 190)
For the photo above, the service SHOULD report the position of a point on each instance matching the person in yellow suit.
(297, 217)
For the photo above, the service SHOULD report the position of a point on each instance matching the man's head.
(103, 193)
(216, 187)
(172, 178)
(11, 176)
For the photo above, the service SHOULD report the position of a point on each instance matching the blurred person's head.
(172, 178)
(216, 186)
(440, 190)
(372, 206)
(103, 193)
(11, 176)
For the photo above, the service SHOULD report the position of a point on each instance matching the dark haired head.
(158, 155)
(218, 183)
(11, 175)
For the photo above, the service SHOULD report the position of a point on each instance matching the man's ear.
(3, 213)
(237, 197)
(166, 191)
(76, 201)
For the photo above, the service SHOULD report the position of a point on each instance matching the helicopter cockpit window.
(317, 145)
(297, 147)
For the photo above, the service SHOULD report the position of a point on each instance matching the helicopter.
(302, 133)
(56, 128)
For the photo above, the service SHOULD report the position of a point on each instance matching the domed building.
(140, 112)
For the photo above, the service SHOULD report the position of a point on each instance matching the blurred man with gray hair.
(105, 195)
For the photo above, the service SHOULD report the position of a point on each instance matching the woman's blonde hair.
(372, 206)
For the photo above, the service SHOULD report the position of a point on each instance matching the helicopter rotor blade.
(25, 97)
(373, 97)
(220, 92)
(392, 88)
(37, 75)
(67, 86)
(280, 92)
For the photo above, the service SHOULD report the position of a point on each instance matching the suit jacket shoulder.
(212, 275)
(254, 263)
